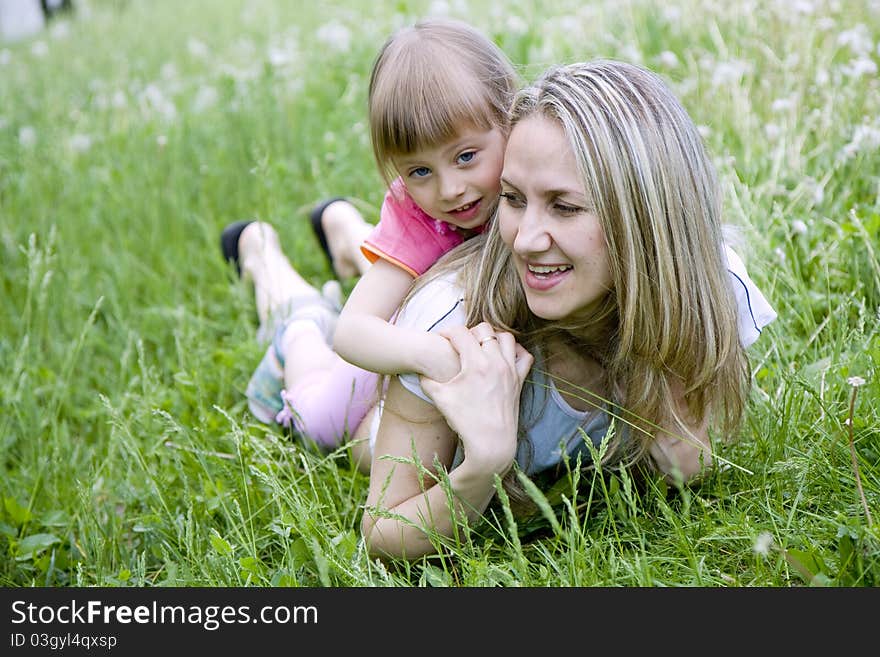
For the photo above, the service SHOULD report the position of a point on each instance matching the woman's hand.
(481, 402)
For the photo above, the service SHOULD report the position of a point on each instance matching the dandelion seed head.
(861, 66)
(197, 48)
(782, 104)
(857, 39)
(206, 98)
(79, 143)
(856, 381)
(27, 136)
(39, 49)
(798, 227)
(763, 544)
(60, 30)
(516, 25)
(728, 73)
(335, 35)
(668, 59)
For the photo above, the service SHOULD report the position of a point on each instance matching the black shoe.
(318, 229)
(229, 241)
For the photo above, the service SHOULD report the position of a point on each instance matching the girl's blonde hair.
(671, 317)
(429, 80)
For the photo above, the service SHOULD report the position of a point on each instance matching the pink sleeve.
(407, 237)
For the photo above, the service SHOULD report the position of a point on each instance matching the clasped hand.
(481, 403)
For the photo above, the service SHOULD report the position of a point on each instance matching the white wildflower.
(154, 101)
(197, 48)
(705, 131)
(671, 13)
(516, 25)
(168, 71)
(205, 98)
(772, 131)
(856, 381)
(161, 141)
(798, 227)
(782, 104)
(39, 49)
(27, 136)
(763, 544)
(439, 8)
(668, 59)
(278, 57)
(865, 139)
(60, 30)
(859, 67)
(335, 35)
(780, 254)
(728, 73)
(119, 99)
(858, 39)
(79, 143)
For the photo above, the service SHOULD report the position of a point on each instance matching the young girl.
(438, 99)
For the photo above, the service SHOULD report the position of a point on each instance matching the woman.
(605, 267)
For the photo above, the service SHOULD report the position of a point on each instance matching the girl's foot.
(341, 230)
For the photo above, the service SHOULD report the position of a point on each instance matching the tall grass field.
(133, 131)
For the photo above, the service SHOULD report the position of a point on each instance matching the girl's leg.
(276, 282)
(326, 396)
(345, 229)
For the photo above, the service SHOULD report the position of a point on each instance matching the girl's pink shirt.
(408, 237)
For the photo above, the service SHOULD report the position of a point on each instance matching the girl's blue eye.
(420, 172)
(467, 156)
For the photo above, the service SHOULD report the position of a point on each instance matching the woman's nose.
(532, 235)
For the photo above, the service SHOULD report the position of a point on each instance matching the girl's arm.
(366, 338)
(480, 407)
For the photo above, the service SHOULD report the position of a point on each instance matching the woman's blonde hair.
(429, 80)
(670, 320)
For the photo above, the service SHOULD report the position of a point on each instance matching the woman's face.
(557, 242)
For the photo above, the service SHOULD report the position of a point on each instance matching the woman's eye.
(563, 208)
(419, 172)
(466, 157)
(512, 199)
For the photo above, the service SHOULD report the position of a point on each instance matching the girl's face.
(557, 242)
(456, 181)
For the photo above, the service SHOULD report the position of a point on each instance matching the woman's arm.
(480, 407)
(684, 451)
(365, 337)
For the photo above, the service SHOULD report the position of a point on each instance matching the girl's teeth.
(542, 269)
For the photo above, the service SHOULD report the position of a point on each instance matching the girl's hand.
(481, 402)
(440, 361)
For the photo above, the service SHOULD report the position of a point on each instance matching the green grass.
(130, 135)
